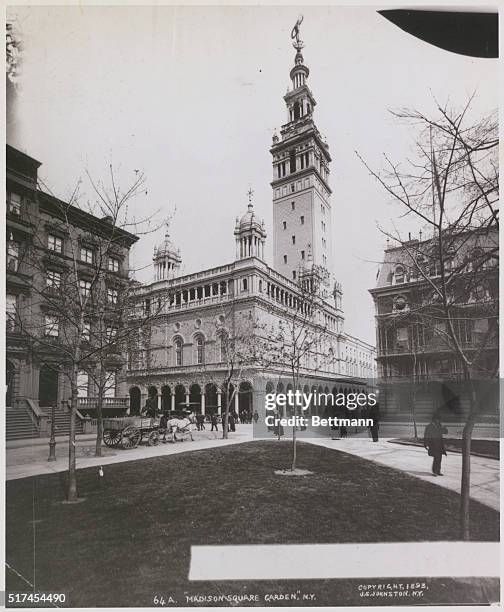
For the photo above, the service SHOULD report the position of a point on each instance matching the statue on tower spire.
(250, 193)
(298, 44)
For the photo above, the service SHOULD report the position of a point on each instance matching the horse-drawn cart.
(128, 432)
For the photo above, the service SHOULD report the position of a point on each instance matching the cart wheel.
(131, 437)
(112, 437)
(153, 439)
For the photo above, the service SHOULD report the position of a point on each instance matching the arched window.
(400, 303)
(224, 340)
(200, 350)
(179, 355)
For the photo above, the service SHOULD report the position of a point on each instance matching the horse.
(183, 426)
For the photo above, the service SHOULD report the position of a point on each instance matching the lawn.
(129, 540)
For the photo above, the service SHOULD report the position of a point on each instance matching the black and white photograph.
(251, 306)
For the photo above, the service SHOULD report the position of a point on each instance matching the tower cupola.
(166, 258)
(250, 233)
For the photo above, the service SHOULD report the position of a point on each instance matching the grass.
(130, 539)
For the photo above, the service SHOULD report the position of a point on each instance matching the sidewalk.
(414, 461)
(28, 458)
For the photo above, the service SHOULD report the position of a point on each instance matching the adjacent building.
(45, 238)
(414, 347)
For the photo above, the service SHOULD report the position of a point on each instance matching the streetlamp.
(52, 439)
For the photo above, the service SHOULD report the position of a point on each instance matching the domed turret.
(250, 233)
(166, 258)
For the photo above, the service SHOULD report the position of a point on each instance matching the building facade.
(45, 238)
(181, 359)
(414, 347)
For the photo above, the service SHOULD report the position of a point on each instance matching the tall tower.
(301, 192)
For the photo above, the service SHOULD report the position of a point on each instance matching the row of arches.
(212, 398)
(201, 399)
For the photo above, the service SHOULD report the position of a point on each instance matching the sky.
(191, 96)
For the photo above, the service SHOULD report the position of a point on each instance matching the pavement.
(415, 461)
(29, 458)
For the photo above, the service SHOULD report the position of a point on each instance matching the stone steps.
(19, 425)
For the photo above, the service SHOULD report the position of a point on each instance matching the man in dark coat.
(200, 422)
(232, 421)
(374, 413)
(434, 443)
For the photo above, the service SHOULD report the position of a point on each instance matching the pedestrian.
(434, 443)
(232, 421)
(256, 416)
(200, 422)
(214, 421)
(374, 413)
(163, 425)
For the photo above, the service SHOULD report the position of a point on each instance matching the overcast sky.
(192, 95)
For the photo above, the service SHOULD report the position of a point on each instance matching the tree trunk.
(294, 448)
(226, 415)
(99, 413)
(72, 476)
(465, 483)
(99, 429)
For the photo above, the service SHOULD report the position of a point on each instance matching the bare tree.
(451, 190)
(241, 345)
(300, 341)
(75, 319)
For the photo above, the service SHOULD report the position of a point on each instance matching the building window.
(400, 303)
(302, 254)
(86, 331)
(302, 219)
(54, 243)
(293, 239)
(12, 255)
(399, 275)
(86, 255)
(14, 204)
(223, 347)
(53, 279)
(85, 287)
(293, 274)
(285, 225)
(178, 352)
(51, 326)
(293, 188)
(113, 264)
(292, 161)
(200, 350)
(110, 384)
(112, 295)
(244, 285)
(111, 333)
(293, 205)
(11, 305)
(82, 384)
(285, 259)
